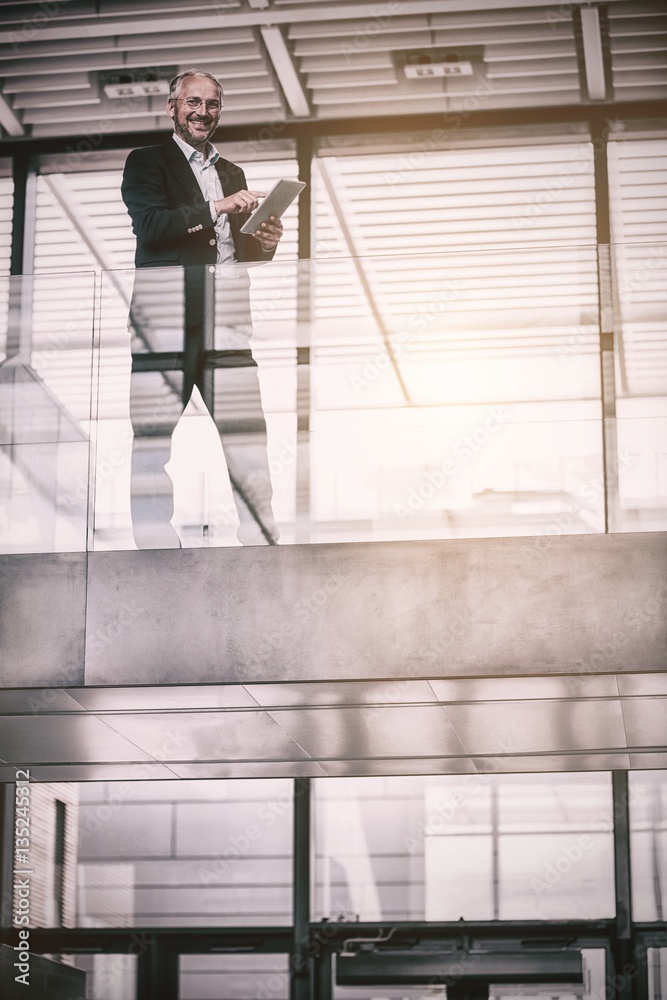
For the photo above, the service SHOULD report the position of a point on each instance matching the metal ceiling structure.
(317, 729)
(283, 60)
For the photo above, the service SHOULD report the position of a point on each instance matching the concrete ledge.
(42, 619)
(463, 607)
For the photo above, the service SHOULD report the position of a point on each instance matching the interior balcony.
(451, 473)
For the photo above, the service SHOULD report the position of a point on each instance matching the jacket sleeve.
(154, 223)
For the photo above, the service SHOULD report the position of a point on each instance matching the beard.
(193, 128)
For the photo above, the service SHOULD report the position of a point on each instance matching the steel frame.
(311, 945)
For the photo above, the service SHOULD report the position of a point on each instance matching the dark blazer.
(170, 216)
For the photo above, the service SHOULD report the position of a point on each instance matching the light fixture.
(135, 82)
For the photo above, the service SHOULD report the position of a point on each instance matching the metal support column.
(461, 991)
(23, 228)
(599, 138)
(304, 159)
(621, 984)
(304, 316)
(323, 985)
(157, 972)
(640, 957)
(19, 313)
(300, 963)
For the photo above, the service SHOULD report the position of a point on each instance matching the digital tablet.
(277, 201)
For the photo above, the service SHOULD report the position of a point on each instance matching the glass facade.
(648, 831)
(186, 853)
(480, 847)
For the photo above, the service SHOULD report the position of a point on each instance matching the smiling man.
(187, 206)
(186, 202)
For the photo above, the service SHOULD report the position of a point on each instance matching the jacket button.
(211, 243)
(211, 270)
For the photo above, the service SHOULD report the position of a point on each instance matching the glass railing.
(46, 357)
(382, 398)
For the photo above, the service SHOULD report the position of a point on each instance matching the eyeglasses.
(194, 103)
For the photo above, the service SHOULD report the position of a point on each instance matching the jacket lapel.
(229, 184)
(182, 170)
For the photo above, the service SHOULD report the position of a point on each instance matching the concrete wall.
(498, 606)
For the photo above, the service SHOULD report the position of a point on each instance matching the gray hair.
(175, 85)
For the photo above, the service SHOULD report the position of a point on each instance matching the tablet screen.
(277, 201)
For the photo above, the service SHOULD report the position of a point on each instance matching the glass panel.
(82, 221)
(108, 977)
(185, 853)
(441, 401)
(161, 854)
(243, 366)
(234, 977)
(46, 331)
(389, 992)
(640, 272)
(483, 847)
(637, 190)
(648, 844)
(657, 973)
(429, 199)
(452, 405)
(638, 200)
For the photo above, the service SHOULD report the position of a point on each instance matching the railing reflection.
(46, 353)
(398, 397)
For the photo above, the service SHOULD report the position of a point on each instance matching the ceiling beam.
(345, 222)
(286, 72)
(591, 114)
(104, 27)
(593, 59)
(8, 120)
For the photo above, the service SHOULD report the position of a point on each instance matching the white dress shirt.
(211, 188)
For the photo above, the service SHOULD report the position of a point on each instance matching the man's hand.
(241, 201)
(269, 233)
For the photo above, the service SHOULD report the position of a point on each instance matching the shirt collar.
(191, 152)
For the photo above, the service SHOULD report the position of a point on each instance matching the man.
(187, 206)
